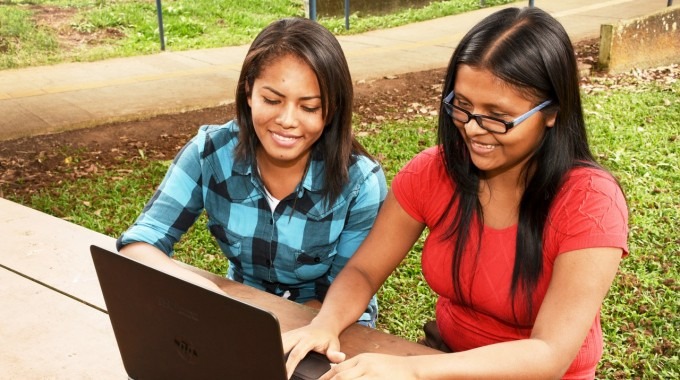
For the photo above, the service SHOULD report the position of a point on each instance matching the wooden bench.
(52, 314)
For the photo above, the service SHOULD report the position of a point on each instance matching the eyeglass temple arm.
(531, 112)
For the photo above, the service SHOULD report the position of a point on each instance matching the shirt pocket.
(229, 242)
(314, 262)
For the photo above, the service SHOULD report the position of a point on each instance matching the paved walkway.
(78, 95)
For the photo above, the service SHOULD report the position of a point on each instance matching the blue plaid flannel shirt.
(295, 251)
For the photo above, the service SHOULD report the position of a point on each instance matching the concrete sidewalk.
(56, 98)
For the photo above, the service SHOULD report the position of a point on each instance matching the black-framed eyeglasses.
(489, 123)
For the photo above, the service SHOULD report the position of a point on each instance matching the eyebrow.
(311, 97)
(492, 106)
(460, 96)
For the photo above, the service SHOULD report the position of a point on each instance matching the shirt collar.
(313, 180)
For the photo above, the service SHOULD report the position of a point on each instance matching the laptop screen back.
(167, 328)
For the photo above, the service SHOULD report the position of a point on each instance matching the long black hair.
(318, 48)
(528, 49)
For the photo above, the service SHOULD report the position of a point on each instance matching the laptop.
(167, 328)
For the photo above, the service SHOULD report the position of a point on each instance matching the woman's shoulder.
(589, 210)
(366, 171)
(592, 177)
(425, 170)
(362, 166)
(364, 163)
(587, 187)
(429, 159)
(213, 137)
(228, 130)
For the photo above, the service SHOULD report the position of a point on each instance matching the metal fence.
(312, 14)
(312, 9)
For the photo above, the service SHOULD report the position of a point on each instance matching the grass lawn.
(40, 32)
(634, 132)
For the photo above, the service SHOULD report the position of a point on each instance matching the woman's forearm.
(155, 258)
(345, 302)
(520, 359)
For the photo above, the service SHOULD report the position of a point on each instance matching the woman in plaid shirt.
(289, 193)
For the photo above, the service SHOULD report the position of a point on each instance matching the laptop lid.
(167, 328)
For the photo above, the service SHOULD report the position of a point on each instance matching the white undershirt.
(273, 202)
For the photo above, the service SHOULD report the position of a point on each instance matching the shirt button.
(269, 263)
(317, 259)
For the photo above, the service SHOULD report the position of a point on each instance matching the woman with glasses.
(526, 230)
(289, 194)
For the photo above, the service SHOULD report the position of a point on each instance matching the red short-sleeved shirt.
(589, 211)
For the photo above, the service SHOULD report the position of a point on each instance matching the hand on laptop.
(369, 366)
(297, 343)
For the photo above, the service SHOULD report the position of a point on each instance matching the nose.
(287, 118)
(473, 127)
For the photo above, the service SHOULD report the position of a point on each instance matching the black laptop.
(167, 328)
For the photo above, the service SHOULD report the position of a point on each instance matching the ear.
(550, 120)
(249, 95)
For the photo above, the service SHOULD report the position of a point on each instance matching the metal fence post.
(312, 10)
(159, 10)
(670, 2)
(346, 14)
(531, 3)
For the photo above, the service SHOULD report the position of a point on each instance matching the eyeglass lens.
(488, 124)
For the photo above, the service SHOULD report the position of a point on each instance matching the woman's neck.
(281, 178)
(500, 196)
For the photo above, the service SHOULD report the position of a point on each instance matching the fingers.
(297, 343)
(289, 339)
(297, 348)
(335, 356)
(369, 366)
(344, 370)
(294, 357)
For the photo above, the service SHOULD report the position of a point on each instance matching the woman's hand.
(297, 343)
(372, 366)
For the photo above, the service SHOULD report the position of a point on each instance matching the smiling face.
(480, 92)
(286, 110)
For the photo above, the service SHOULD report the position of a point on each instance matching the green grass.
(21, 41)
(405, 300)
(89, 30)
(634, 133)
(359, 23)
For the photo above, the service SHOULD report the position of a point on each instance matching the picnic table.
(53, 320)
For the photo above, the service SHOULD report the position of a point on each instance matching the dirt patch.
(72, 33)
(30, 164)
(42, 162)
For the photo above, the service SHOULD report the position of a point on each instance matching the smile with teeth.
(285, 140)
(482, 146)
